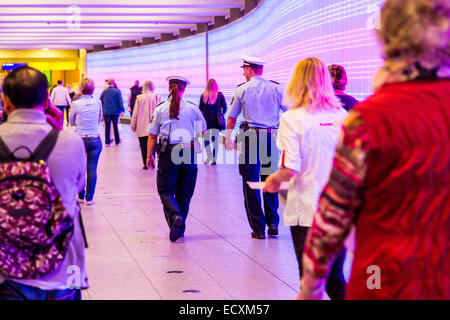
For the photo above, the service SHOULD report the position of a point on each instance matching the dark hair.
(338, 76)
(59, 81)
(174, 110)
(26, 87)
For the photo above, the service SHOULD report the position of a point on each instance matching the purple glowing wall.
(281, 32)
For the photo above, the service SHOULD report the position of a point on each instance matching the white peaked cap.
(179, 79)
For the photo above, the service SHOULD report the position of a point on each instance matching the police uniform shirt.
(260, 101)
(184, 130)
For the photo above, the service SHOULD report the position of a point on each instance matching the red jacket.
(403, 226)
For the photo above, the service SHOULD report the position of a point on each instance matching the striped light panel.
(281, 32)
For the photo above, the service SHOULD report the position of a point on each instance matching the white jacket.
(307, 141)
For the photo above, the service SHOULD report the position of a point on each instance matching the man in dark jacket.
(135, 91)
(112, 104)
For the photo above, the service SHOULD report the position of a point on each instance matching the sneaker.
(81, 200)
(145, 168)
(90, 203)
(107, 145)
(175, 230)
(273, 231)
(259, 236)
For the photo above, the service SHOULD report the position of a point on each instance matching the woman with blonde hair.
(142, 114)
(307, 137)
(213, 106)
(391, 172)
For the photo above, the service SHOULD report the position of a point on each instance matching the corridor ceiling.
(73, 24)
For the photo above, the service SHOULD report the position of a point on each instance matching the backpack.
(35, 227)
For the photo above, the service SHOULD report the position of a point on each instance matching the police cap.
(252, 62)
(178, 79)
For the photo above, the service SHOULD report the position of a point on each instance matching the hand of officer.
(53, 114)
(271, 185)
(151, 162)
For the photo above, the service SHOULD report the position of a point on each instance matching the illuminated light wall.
(155, 63)
(282, 32)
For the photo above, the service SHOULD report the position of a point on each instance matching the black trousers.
(115, 119)
(176, 184)
(336, 282)
(143, 142)
(211, 139)
(258, 160)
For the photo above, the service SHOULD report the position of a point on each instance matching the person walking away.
(175, 124)
(142, 114)
(134, 92)
(307, 139)
(212, 104)
(85, 115)
(112, 104)
(57, 166)
(61, 98)
(260, 102)
(391, 172)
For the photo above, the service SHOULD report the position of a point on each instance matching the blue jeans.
(93, 147)
(10, 290)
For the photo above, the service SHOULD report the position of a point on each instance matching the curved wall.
(281, 32)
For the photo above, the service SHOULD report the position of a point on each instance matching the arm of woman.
(100, 111)
(201, 104)
(150, 146)
(223, 103)
(289, 143)
(73, 114)
(273, 182)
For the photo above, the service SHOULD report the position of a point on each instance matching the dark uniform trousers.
(176, 183)
(257, 161)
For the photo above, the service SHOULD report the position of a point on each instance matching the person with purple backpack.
(42, 169)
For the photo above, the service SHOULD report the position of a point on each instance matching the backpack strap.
(43, 150)
(5, 153)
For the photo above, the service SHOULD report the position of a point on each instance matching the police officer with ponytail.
(174, 128)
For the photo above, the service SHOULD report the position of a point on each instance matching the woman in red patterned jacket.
(391, 173)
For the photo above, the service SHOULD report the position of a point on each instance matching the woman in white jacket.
(307, 137)
(142, 114)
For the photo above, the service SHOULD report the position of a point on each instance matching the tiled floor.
(131, 257)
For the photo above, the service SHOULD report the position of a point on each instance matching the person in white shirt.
(61, 98)
(307, 137)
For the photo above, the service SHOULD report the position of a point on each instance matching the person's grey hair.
(148, 86)
(416, 31)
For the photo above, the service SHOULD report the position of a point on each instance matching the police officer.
(174, 128)
(260, 102)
